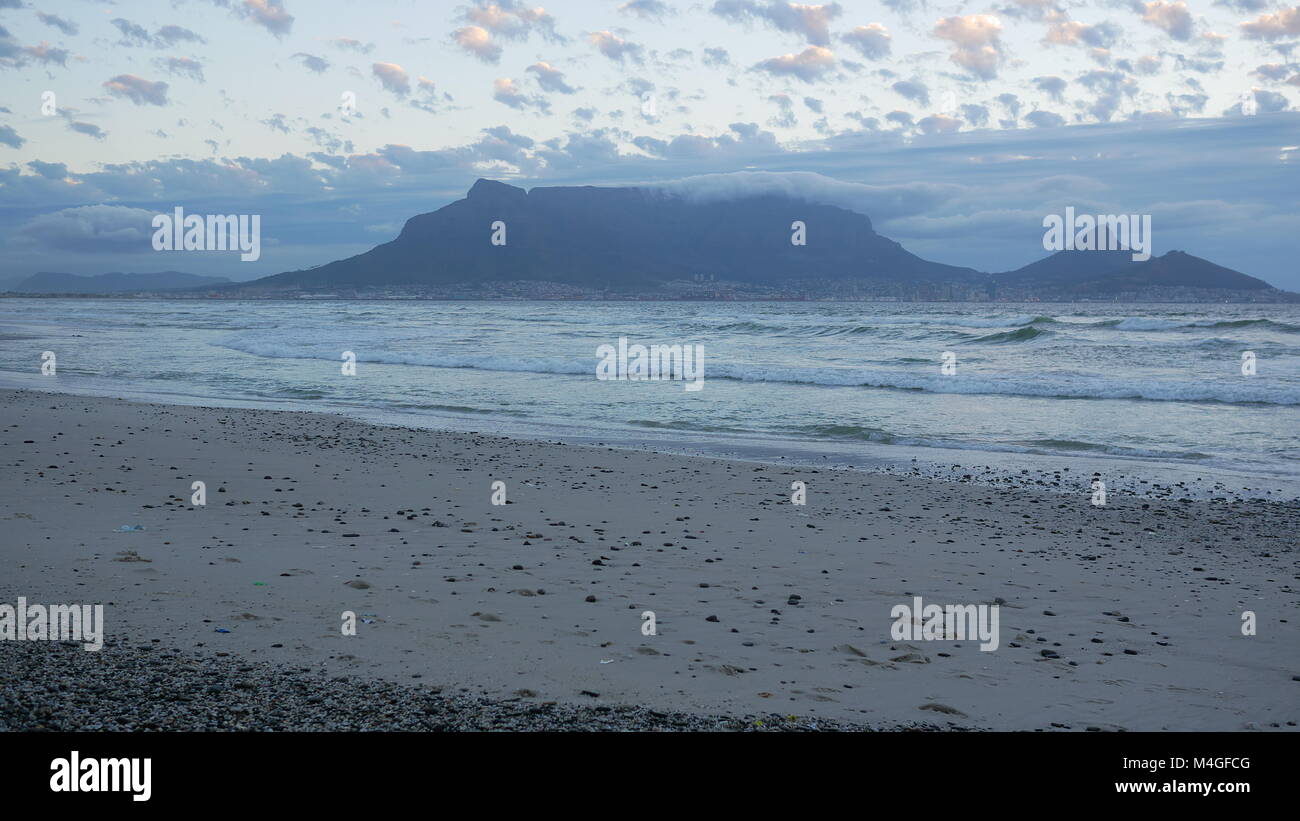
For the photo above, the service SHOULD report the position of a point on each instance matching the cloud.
(938, 124)
(913, 90)
(10, 137)
(976, 115)
(427, 95)
(1270, 102)
(716, 57)
(741, 141)
(269, 14)
(328, 141)
(49, 170)
(580, 150)
(1286, 23)
(511, 20)
(66, 26)
(276, 123)
(786, 118)
(614, 47)
(311, 62)
(901, 118)
(505, 91)
(478, 41)
(137, 89)
(871, 41)
(134, 34)
(647, 9)
(809, 65)
(1110, 87)
(349, 44)
(44, 53)
(1074, 33)
(1245, 5)
(1044, 119)
(812, 23)
(1051, 86)
(976, 38)
(1033, 9)
(1273, 71)
(91, 229)
(876, 201)
(184, 66)
(550, 78)
(170, 35)
(392, 77)
(1172, 18)
(89, 129)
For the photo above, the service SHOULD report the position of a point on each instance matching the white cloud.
(91, 229)
(809, 65)
(1286, 23)
(1172, 18)
(393, 77)
(977, 42)
(478, 41)
(615, 47)
(871, 41)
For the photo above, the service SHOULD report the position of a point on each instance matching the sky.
(957, 127)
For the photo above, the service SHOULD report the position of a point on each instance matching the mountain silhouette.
(635, 241)
(1100, 272)
(622, 239)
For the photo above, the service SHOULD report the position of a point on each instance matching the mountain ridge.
(502, 241)
(57, 282)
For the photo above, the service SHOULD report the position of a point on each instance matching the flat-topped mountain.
(622, 239)
(501, 240)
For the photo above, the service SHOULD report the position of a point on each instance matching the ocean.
(1156, 389)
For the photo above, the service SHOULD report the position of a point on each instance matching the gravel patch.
(58, 686)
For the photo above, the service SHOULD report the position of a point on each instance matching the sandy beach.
(1122, 617)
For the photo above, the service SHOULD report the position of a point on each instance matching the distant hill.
(624, 239)
(49, 282)
(1068, 267)
(1103, 273)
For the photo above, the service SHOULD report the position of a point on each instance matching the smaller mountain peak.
(491, 189)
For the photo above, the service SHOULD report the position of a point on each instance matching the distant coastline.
(1246, 298)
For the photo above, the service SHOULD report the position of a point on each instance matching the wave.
(1047, 447)
(1061, 387)
(1046, 386)
(870, 324)
(1149, 324)
(286, 350)
(685, 426)
(851, 432)
(1074, 445)
(1019, 335)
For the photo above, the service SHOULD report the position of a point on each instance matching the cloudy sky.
(955, 126)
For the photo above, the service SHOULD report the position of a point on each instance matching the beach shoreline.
(762, 607)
